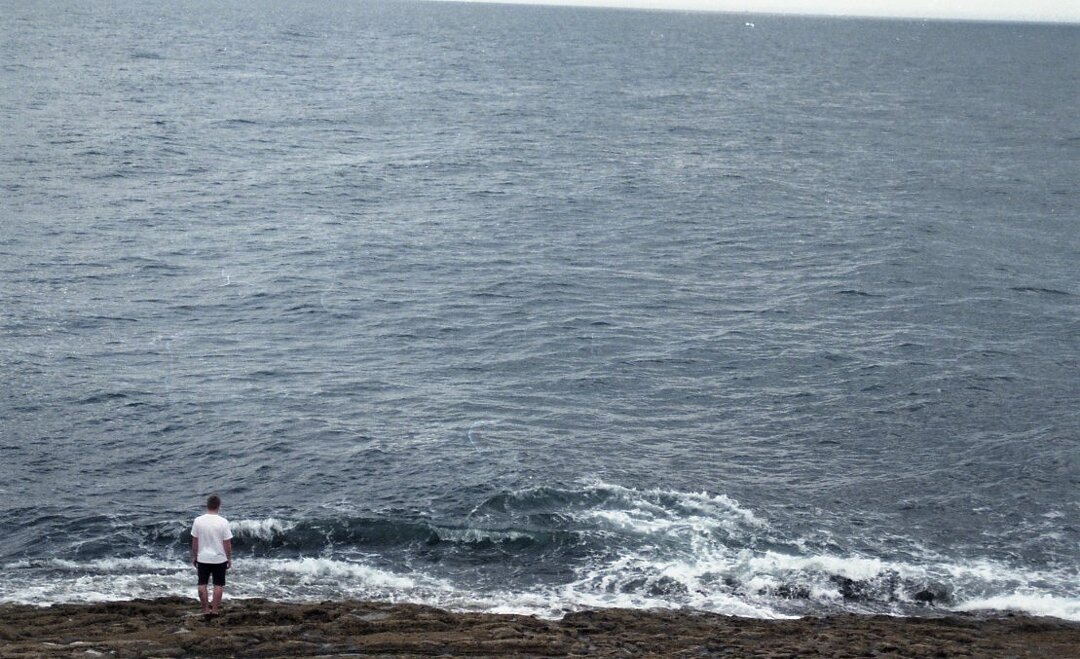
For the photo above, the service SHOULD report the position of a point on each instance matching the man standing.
(211, 553)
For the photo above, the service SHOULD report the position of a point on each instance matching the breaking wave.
(547, 551)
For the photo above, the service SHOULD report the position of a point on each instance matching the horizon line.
(622, 5)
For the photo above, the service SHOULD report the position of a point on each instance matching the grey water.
(533, 309)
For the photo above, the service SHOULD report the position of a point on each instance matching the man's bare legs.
(208, 607)
(204, 600)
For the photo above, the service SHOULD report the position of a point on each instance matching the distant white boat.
(749, 24)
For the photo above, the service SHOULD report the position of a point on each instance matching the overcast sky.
(1027, 10)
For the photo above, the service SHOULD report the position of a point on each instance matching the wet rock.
(933, 594)
(790, 591)
(257, 628)
(850, 589)
(505, 632)
(666, 586)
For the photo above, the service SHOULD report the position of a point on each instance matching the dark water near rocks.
(539, 308)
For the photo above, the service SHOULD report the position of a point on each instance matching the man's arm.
(228, 553)
(194, 551)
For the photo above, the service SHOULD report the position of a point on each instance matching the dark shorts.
(217, 570)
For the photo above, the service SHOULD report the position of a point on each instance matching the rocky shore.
(172, 627)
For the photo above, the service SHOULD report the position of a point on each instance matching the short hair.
(213, 503)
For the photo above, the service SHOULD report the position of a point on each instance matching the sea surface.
(534, 309)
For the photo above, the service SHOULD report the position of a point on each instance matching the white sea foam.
(41, 586)
(701, 578)
(303, 578)
(718, 507)
(850, 567)
(700, 581)
(1034, 604)
(680, 560)
(687, 517)
(321, 578)
(326, 568)
(263, 529)
(706, 551)
(480, 535)
(110, 565)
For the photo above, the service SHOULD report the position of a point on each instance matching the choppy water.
(532, 309)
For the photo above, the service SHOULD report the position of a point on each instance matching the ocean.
(535, 309)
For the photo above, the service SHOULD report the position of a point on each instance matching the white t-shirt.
(212, 532)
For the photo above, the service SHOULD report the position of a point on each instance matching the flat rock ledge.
(173, 627)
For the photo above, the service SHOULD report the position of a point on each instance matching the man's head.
(213, 504)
